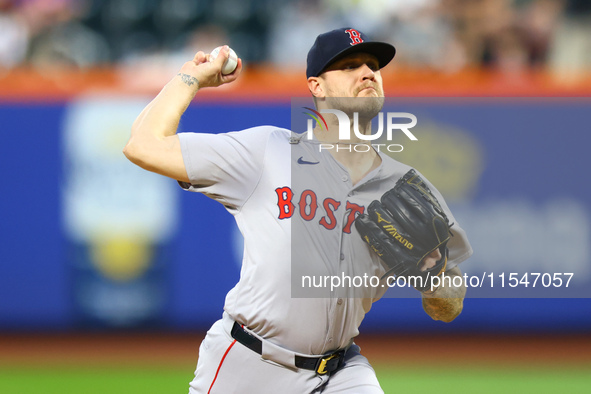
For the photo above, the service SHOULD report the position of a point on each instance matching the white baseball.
(230, 64)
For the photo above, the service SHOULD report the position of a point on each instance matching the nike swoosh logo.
(302, 161)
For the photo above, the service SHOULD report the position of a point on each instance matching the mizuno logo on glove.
(394, 233)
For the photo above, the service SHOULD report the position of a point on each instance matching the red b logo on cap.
(355, 36)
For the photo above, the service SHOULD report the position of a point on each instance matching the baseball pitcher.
(305, 213)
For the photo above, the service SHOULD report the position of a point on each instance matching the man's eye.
(352, 66)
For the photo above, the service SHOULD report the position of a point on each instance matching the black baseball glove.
(404, 227)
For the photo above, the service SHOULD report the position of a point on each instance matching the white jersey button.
(345, 178)
(340, 301)
(342, 256)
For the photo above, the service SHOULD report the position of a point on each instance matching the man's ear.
(315, 86)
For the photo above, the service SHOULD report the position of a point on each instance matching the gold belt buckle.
(322, 367)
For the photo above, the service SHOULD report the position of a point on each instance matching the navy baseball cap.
(336, 44)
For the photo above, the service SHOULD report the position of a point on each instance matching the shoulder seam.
(256, 184)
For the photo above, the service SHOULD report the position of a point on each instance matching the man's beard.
(367, 107)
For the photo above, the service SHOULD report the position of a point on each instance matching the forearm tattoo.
(188, 79)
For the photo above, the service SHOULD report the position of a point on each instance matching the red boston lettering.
(303, 204)
(284, 196)
(354, 211)
(330, 206)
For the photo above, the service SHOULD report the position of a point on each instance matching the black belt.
(322, 365)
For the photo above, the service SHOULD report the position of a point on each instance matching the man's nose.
(368, 72)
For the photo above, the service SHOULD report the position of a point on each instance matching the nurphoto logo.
(345, 126)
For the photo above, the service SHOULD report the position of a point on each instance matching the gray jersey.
(294, 204)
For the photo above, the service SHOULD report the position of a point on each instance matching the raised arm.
(153, 144)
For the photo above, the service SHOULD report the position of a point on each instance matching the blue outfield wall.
(88, 240)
